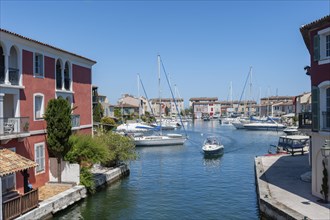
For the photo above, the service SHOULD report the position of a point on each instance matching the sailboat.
(239, 122)
(137, 126)
(159, 140)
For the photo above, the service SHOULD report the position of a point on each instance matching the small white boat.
(240, 122)
(134, 127)
(293, 144)
(292, 130)
(212, 146)
(268, 124)
(264, 126)
(160, 140)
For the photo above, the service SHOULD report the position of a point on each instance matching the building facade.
(245, 107)
(168, 106)
(108, 109)
(276, 106)
(205, 106)
(316, 36)
(32, 73)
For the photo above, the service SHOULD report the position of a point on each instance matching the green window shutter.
(316, 47)
(315, 108)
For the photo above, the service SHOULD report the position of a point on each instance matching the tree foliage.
(108, 120)
(58, 117)
(97, 112)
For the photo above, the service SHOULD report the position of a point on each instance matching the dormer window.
(38, 65)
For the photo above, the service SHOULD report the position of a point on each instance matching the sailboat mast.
(139, 100)
(249, 112)
(160, 99)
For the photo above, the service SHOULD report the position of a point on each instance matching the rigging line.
(176, 106)
(240, 99)
(152, 112)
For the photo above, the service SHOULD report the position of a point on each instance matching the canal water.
(178, 182)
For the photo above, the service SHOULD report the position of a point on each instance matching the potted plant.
(26, 126)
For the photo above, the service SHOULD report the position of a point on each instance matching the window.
(315, 108)
(327, 50)
(327, 111)
(39, 155)
(322, 46)
(38, 106)
(67, 81)
(58, 75)
(38, 65)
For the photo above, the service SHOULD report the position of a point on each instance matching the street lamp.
(325, 149)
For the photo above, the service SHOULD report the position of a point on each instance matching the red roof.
(10, 162)
(43, 44)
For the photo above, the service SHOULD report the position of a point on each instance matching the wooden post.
(26, 180)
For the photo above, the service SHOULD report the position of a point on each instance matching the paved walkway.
(281, 188)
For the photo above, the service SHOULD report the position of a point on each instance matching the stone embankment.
(282, 192)
(61, 201)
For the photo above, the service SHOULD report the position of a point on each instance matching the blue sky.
(205, 45)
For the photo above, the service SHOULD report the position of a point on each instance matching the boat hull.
(273, 127)
(159, 141)
(213, 150)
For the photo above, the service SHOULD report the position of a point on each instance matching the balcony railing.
(75, 121)
(19, 205)
(2, 75)
(305, 120)
(326, 121)
(10, 126)
(14, 76)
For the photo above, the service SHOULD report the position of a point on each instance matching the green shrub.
(87, 150)
(108, 120)
(86, 179)
(120, 148)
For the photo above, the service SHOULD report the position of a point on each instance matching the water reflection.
(212, 160)
(180, 182)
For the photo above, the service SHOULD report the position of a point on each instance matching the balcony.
(305, 120)
(75, 121)
(2, 75)
(325, 121)
(20, 204)
(13, 76)
(14, 127)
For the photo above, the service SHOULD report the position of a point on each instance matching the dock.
(282, 194)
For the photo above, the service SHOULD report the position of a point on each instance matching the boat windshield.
(293, 142)
(211, 141)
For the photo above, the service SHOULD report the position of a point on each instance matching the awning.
(10, 162)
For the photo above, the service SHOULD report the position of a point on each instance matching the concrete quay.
(61, 201)
(281, 192)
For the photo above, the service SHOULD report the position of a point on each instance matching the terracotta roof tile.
(10, 162)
